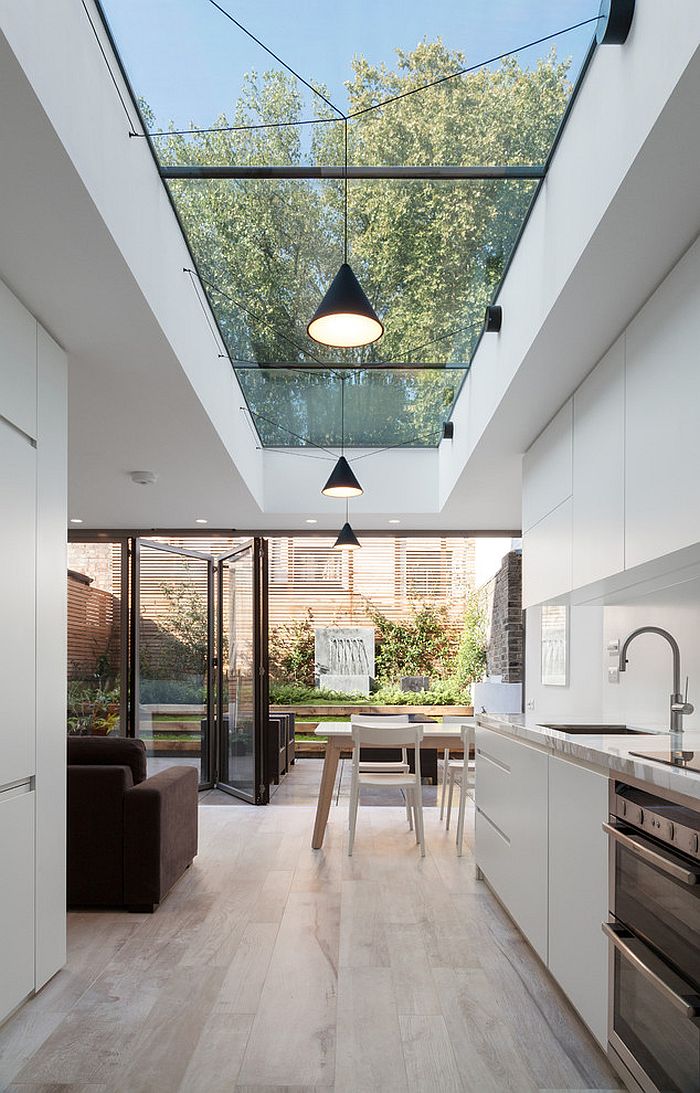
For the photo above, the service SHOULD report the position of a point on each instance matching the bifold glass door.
(242, 707)
(172, 700)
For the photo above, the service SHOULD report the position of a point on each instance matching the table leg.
(325, 795)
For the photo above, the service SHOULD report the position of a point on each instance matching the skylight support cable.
(375, 106)
(277, 58)
(132, 130)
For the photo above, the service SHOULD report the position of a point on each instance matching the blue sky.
(187, 60)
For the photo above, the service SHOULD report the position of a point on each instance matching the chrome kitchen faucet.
(679, 703)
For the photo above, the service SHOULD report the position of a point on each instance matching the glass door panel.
(243, 700)
(173, 644)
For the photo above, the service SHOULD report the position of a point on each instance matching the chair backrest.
(400, 734)
(379, 719)
(103, 751)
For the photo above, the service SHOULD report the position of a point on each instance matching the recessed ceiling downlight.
(201, 520)
(143, 478)
(75, 520)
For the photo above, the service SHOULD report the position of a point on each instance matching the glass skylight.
(429, 253)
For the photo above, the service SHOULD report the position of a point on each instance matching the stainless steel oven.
(654, 933)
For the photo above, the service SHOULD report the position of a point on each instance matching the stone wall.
(505, 630)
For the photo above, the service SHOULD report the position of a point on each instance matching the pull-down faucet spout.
(679, 705)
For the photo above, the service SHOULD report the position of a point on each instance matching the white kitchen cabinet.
(598, 523)
(547, 557)
(17, 596)
(662, 456)
(51, 668)
(511, 829)
(578, 889)
(547, 468)
(17, 363)
(17, 873)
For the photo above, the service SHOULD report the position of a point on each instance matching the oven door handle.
(676, 991)
(646, 850)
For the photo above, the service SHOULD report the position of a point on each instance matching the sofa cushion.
(107, 751)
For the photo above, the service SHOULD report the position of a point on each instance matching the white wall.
(33, 487)
(582, 698)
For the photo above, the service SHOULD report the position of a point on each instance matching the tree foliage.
(428, 253)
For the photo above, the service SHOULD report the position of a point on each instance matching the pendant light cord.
(342, 415)
(345, 183)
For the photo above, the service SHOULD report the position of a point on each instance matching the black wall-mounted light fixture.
(448, 430)
(614, 22)
(493, 318)
(345, 319)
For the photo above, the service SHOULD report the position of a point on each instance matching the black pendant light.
(342, 481)
(347, 540)
(345, 319)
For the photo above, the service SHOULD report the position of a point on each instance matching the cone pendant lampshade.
(345, 318)
(347, 540)
(342, 482)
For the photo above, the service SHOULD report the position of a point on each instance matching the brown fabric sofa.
(129, 837)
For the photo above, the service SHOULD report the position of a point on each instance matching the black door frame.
(261, 795)
(207, 757)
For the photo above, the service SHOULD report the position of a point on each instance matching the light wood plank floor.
(271, 966)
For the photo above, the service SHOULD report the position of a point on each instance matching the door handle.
(646, 850)
(674, 989)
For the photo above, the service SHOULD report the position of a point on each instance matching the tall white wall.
(33, 486)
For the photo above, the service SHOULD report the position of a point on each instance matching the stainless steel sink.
(597, 730)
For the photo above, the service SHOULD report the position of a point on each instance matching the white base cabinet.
(511, 829)
(17, 872)
(578, 889)
(541, 848)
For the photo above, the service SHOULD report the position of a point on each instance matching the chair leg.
(354, 804)
(462, 810)
(451, 780)
(443, 782)
(419, 821)
(409, 813)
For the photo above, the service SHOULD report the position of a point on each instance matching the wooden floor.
(274, 967)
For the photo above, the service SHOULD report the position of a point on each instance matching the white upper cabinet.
(547, 557)
(598, 531)
(662, 461)
(17, 363)
(17, 596)
(547, 468)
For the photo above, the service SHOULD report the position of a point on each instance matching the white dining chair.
(407, 735)
(458, 772)
(390, 767)
(451, 719)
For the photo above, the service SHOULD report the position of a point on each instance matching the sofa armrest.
(160, 834)
(96, 834)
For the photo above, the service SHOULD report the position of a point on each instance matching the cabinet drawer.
(500, 748)
(493, 789)
(493, 855)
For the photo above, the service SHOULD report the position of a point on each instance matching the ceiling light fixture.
(342, 481)
(493, 319)
(614, 22)
(394, 521)
(201, 520)
(312, 520)
(347, 540)
(75, 520)
(345, 319)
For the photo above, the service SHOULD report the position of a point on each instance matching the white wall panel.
(17, 363)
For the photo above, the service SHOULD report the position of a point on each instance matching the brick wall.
(506, 634)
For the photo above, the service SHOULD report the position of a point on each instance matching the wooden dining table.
(339, 735)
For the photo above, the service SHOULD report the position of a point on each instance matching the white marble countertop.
(608, 752)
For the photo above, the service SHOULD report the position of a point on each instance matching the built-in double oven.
(654, 933)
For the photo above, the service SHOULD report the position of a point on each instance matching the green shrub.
(422, 645)
(292, 652)
(470, 662)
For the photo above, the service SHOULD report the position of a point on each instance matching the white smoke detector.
(143, 478)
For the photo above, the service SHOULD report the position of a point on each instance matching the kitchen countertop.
(609, 752)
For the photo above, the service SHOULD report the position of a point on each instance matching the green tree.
(419, 645)
(470, 662)
(428, 253)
